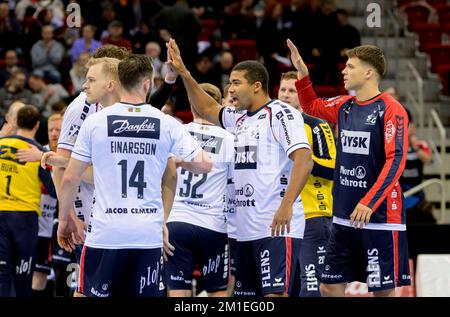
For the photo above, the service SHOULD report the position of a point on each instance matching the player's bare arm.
(69, 188)
(204, 104)
(168, 187)
(301, 169)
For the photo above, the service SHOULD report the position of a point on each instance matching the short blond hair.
(55, 117)
(213, 91)
(109, 68)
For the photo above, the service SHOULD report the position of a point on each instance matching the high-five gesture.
(297, 60)
(174, 58)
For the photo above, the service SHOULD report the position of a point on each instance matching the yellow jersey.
(317, 194)
(20, 183)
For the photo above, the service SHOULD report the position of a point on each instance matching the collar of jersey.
(24, 139)
(367, 102)
(132, 104)
(250, 113)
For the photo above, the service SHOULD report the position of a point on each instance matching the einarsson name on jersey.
(133, 147)
(133, 127)
(355, 142)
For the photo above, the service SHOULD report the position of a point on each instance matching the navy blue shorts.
(376, 257)
(312, 257)
(232, 243)
(194, 244)
(121, 272)
(266, 266)
(18, 250)
(44, 255)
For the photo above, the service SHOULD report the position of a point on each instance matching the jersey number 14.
(136, 178)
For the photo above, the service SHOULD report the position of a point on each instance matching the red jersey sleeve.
(395, 135)
(326, 109)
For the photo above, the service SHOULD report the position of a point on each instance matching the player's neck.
(367, 92)
(201, 121)
(132, 97)
(110, 99)
(259, 102)
(26, 133)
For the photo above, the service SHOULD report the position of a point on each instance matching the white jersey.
(199, 197)
(48, 210)
(74, 117)
(230, 206)
(128, 146)
(263, 141)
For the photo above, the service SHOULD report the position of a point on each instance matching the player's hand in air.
(174, 57)
(282, 220)
(297, 60)
(360, 217)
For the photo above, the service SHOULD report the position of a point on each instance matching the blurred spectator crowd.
(42, 60)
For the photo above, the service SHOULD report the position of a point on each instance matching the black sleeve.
(46, 179)
(160, 97)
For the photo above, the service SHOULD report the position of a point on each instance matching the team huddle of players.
(253, 194)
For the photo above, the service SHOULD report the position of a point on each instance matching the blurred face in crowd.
(88, 32)
(47, 33)
(203, 65)
(115, 31)
(35, 83)
(152, 49)
(18, 81)
(226, 60)
(11, 58)
(54, 130)
(288, 93)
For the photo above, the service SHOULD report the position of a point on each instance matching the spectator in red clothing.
(115, 37)
(368, 241)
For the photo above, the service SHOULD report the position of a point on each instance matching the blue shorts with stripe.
(312, 257)
(197, 245)
(266, 266)
(121, 272)
(376, 257)
(232, 255)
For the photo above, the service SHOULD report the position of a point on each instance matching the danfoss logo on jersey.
(355, 142)
(133, 127)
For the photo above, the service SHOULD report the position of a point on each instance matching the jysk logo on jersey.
(209, 143)
(133, 127)
(355, 142)
(245, 157)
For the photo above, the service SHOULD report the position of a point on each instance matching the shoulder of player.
(337, 100)
(393, 105)
(312, 121)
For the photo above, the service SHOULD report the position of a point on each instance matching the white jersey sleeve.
(288, 128)
(74, 117)
(83, 147)
(229, 117)
(184, 146)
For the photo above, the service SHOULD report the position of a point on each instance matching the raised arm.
(204, 104)
(326, 109)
